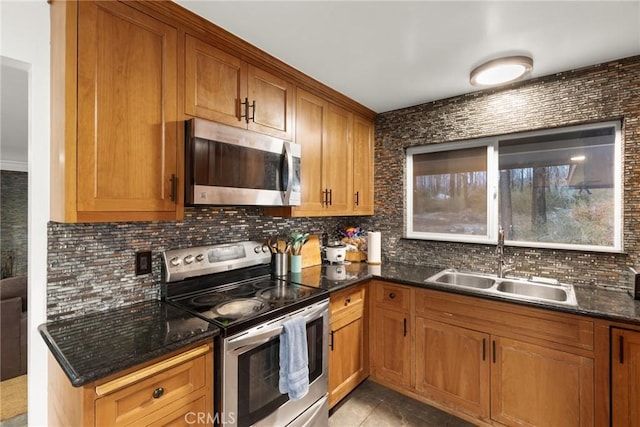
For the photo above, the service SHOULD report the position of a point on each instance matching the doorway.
(14, 94)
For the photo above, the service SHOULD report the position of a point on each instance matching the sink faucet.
(503, 266)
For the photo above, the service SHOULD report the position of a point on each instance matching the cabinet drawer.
(346, 301)
(391, 296)
(506, 318)
(169, 384)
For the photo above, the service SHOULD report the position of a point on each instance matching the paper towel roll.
(374, 255)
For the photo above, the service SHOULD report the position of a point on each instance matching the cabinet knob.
(158, 392)
(392, 295)
(347, 301)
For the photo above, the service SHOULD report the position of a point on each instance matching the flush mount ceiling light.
(501, 70)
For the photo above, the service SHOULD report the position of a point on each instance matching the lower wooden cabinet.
(492, 363)
(348, 343)
(176, 390)
(452, 365)
(532, 385)
(625, 377)
(392, 332)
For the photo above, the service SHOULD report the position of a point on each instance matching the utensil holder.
(279, 264)
(296, 263)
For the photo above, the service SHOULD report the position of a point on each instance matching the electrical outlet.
(143, 262)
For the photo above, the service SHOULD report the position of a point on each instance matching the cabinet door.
(273, 96)
(625, 378)
(336, 160)
(347, 356)
(362, 142)
(539, 386)
(452, 366)
(127, 112)
(215, 83)
(392, 347)
(311, 118)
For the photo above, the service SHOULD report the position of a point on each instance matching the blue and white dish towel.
(294, 359)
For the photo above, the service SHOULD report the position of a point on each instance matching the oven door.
(249, 390)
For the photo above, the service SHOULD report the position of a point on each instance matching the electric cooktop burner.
(208, 300)
(284, 293)
(239, 308)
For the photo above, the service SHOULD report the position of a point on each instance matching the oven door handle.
(257, 338)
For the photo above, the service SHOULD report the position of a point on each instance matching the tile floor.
(372, 405)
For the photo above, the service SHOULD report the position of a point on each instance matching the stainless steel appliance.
(231, 166)
(230, 285)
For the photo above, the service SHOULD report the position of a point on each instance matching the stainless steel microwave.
(229, 166)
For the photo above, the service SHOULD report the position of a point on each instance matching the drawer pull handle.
(158, 392)
(404, 327)
(621, 343)
(347, 301)
(392, 295)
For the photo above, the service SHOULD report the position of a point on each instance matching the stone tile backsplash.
(601, 92)
(92, 266)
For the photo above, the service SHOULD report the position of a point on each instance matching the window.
(558, 188)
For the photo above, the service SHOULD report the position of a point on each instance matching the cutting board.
(311, 252)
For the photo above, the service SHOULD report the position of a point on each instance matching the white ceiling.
(393, 54)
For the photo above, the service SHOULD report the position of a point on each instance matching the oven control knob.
(257, 249)
(188, 259)
(175, 261)
(265, 249)
(199, 257)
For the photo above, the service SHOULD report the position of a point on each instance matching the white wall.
(25, 37)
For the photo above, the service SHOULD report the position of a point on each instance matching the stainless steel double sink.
(522, 289)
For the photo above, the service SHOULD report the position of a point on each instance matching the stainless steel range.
(231, 286)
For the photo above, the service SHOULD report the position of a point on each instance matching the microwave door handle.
(286, 195)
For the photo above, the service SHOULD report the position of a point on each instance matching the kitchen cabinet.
(349, 341)
(540, 386)
(502, 363)
(222, 87)
(452, 366)
(362, 164)
(167, 391)
(391, 333)
(336, 160)
(625, 377)
(115, 137)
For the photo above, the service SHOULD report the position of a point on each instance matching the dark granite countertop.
(95, 346)
(592, 301)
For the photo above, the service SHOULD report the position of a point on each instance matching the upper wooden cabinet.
(336, 161)
(223, 88)
(126, 74)
(363, 149)
(115, 134)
